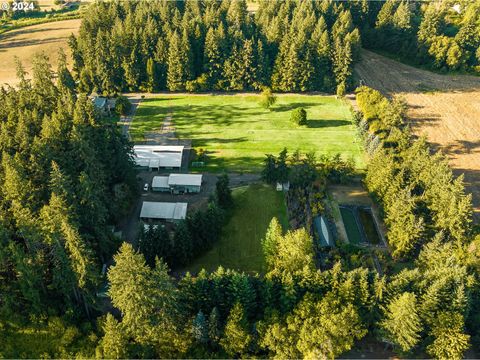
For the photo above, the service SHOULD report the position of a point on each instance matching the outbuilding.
(167, 211)
(185, 183)
(178, 183)
(160, 184)
(155, 157)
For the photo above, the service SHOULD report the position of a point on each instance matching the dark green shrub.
(299, 116)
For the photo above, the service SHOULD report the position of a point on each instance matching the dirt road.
(27, 41)
(445, 108)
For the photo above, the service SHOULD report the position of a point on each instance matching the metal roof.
(163, 210)
(185, 180)
(160, 182)
(158, 155)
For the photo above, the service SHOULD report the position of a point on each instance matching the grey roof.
(163, 210)
(185, 180)
(158, 156)
(160, 182)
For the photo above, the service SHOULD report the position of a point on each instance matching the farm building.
(160, 183)
(178, 183)
(167, 211)
(154, 157)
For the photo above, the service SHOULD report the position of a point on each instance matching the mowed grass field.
(237, 132)
(240, 246)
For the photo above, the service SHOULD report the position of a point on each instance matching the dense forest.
(67, 176)
(286, 45)
(441, 35)
(215, 45)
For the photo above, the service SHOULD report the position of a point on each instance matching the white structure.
(178, 183)
(160, 183)
(163, 211)
(158, 156)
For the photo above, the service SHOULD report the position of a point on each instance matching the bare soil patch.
(27, 41)
(444, 108)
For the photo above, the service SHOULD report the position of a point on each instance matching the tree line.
(419, 195)
(441, 35)
(66, 175)
(294, 310)
(215, 45)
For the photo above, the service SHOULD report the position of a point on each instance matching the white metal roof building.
(163, 211)
(160, 183)
(158, 156)
(185, 180)
(178, 183)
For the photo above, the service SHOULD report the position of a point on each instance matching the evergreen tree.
(401, 324)
(236, 338)
(200, 328)
(223, 194)
(271, 242)
(115, 341)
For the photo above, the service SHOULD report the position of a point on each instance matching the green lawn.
(353, 232)
(240, 247)
(237, 132)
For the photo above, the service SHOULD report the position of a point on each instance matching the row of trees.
(443, 34)
(295, 310)
(303, 169)
(66, 175)
(215, 45)
(418, 192)
(190, 237)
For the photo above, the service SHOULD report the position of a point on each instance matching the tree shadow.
(292, 106)
(327, 123)
(472, 186)
(22, 43)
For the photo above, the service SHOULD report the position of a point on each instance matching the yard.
(240, 246)
(237, 132)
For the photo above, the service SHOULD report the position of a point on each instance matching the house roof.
(185, 180)
(163, 210)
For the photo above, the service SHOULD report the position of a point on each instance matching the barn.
(178, 183)
(166, 211)
(155, 157)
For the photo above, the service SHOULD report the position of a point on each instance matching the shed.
(158, 156)
(160, 183)
(185, 183)
(167, 211)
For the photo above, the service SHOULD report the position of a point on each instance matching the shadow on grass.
(292, 106)
(327, 123)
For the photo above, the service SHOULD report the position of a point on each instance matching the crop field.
(444, 108)
(27, 41)
(237, 132)
(240, 246)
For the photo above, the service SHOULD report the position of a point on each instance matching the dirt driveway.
(444, 108)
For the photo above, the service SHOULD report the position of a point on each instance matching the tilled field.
(444, 108)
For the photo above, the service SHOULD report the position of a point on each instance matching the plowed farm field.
(444, 108)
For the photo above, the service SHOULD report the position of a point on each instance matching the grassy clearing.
(237, 132)
(240, 247)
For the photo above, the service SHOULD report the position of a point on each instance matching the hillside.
(27, 41)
